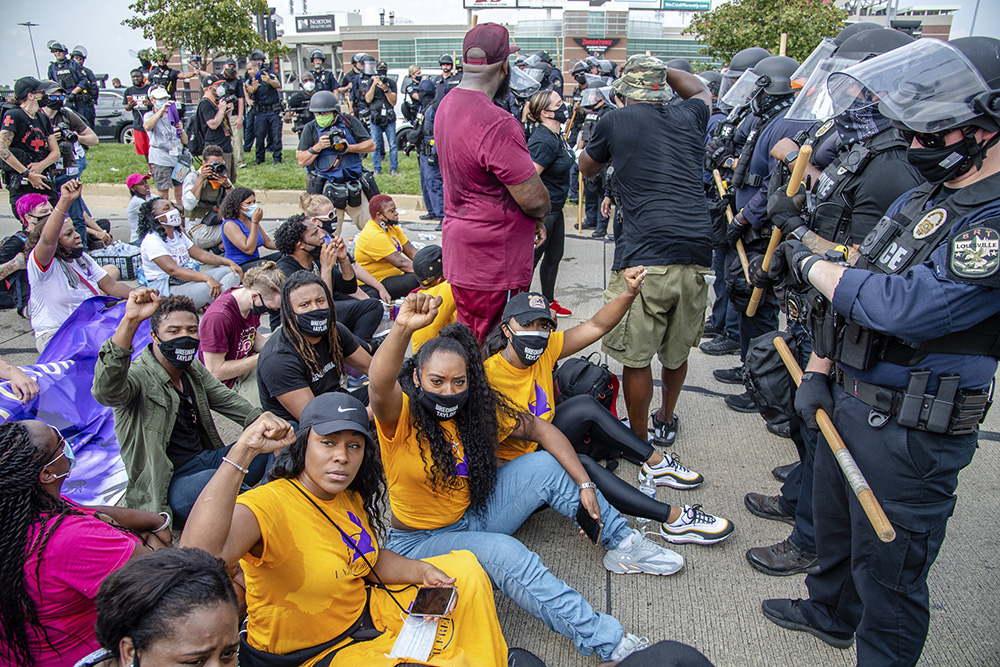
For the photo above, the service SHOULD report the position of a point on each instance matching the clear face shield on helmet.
(741, 92)
(813, 102)
(523, 84)
(368, 67)
(928, 86)
(823, 51)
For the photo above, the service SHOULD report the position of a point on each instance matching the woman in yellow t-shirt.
(308, 542)
(439, 423)
(383, 249)
(524, 349)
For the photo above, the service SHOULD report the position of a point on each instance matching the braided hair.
(147, 221)
(478, 422)
(24, 504)
(290, 325)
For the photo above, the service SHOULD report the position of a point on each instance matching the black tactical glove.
(734, 230)
(758, 276)
(784, 211)
(785, 264)
(716, 152)
(812, 394)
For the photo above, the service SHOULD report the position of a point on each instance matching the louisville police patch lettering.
(975, 253)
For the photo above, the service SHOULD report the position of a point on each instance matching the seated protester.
(163, 403)
(383, 249)
(228, 330)
(305, 357)
(303, 247)
(242, 234)
(31, 208)
(55, 552)
(138, 189)
(23, 387)
(60, 273)
(429, 271)
(439, 425)
(330, 474)
(176, 606)
(320, 210)
(170, 261)
(203, 192)
(524, 350)
(166, 142)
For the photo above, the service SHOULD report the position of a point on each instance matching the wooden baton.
(741, 251)
(877, 517)
(793, 186)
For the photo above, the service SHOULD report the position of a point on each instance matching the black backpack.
(580, 375)
(767, 379)
(196, 133)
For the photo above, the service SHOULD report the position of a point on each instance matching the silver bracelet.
(166, 522)
(588, 485)
(236, 465)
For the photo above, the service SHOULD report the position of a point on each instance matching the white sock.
(662, 464)
(626, 543)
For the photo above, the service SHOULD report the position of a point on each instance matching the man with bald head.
(494, 201)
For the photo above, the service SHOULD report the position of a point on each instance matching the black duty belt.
(952, 411)
(267, 108)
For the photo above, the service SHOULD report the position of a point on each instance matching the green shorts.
(666, 319)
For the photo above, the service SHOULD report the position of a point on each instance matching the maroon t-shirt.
(488, 242)
(224, 330)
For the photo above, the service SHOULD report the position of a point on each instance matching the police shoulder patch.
(930, 223)
(974, 253)
(824, 128)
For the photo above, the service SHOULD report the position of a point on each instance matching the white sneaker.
(671, 473)
(627, 646)
(643, 556)
(697, 527)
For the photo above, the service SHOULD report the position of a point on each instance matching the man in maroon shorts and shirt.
(494, 201)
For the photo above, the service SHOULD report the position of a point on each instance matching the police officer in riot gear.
(330, 148)
(161, 75)
(67, 73)
(263, 87)
(324, 78)
(361, 83)
(347, 85)
(444, 81)
(906, 348)
(86, 100)
(431, 184)
(596, 105)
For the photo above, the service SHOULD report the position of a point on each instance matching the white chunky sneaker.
(697, 527)
(639, 554)
(672, 473)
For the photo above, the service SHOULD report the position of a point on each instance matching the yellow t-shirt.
(412, 495)
(374, 244)
(445, 316)
(306, 588)
(529, 389)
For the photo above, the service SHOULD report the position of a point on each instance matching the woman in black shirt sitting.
(553, 160)
(306, 356)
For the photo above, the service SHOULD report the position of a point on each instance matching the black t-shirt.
(552, 152)
(657, 152)
(280, 369)
(141, 95)
(341, 287)
(31, 134)
(206, 112)
(16, 282)
(185, 440)
(232, 87)
(164, 78)
(378, 97)
(310, 133)
(265, 94)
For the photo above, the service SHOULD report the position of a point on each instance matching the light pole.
(29, 25)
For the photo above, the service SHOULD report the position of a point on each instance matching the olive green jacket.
(145, 406)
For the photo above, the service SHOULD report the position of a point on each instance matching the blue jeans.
(267, 128)
(390, 135)
(432, 187)
(524, 485)
(191, 478)
(724, 316)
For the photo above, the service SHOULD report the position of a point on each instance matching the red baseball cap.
(491, 42)
(135, 178)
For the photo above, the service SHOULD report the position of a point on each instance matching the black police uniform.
(325, 80)
(68, 74)
(164, 77)
(267, 120)
(594, 188)
(914, 337)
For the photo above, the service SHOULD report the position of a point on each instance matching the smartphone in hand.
(591, 526)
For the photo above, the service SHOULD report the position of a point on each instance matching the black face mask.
(580, 79)
(179, 352)
(314, 251)
(938, 165)
(560, 115)
(73, 253)
(383, 73)
(443, 407)
(54, 103)
(503, 92)
(529, 346)
(416, 79)
(314, 322)
(262, 309)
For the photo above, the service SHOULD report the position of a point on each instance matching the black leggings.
(400, 285)
(551, 253)
(591, 428)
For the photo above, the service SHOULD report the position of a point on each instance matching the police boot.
(782, 559)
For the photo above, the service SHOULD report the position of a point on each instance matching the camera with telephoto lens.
(338, 139)
(67, 133)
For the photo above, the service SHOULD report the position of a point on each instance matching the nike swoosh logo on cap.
(339, 409)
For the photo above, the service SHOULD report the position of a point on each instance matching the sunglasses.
(332, 215)
(927, 139)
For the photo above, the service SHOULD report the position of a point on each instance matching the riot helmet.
(682, 64)
(357, 58)
(775, 74)
(738, 65)
(446, 59)
(712, 81)
(317, 54)
(57, 46)
(825, 49)
(853, 29)
(257, 55)
(79, 52)
(523, 84)
(871, 43)
(368, 65)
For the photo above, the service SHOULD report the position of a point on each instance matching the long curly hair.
(24, 507)
(147, 222)
(478, 422)
(369, 483)
(231, 206)
(294, 335)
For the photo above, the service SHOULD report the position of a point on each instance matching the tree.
(740, 24)
(203, 27)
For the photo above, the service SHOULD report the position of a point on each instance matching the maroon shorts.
(480, 310)
(141, 140)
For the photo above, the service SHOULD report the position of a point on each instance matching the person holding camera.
(263, 87)
(213, 115)
(381, 98)
(166, 143)
(231, 92)
(298, 113)
(28, 148)
(203, 192)
(330, 149)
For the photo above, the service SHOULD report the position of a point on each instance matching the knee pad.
(354, 193)
(337, 193)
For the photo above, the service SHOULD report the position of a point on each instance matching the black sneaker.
(741, 402)
(710, 331)
(597, 235)
(787, 614)
(729, 375)
(663, 434)
(781, 473)
(428, 216)
(780, 429)
(719, 346)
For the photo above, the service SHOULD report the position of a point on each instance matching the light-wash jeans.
(390, 135)
(523, 485)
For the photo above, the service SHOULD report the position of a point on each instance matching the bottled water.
(647, 485)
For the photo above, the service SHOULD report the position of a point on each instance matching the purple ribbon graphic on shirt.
(540, 406)
(363, 543)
